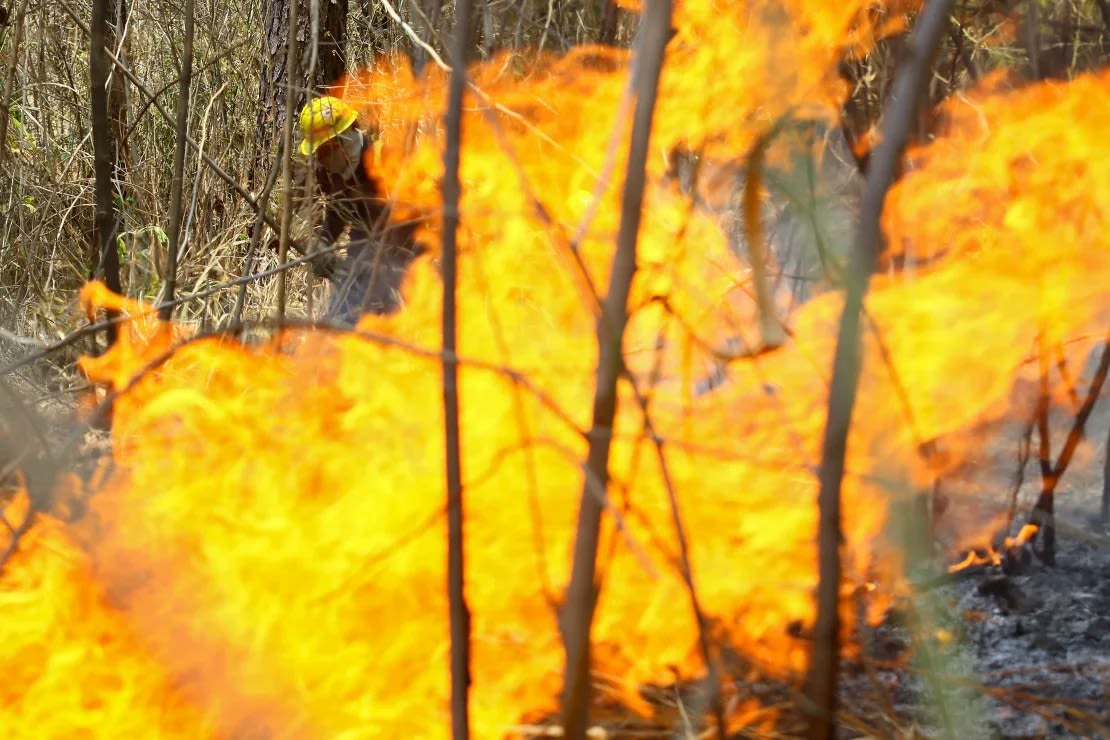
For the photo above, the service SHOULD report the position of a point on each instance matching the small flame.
(991, 556)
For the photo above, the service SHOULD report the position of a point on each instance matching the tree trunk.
(607, 27)
(321, 62)
(13, 44)
(109, 126)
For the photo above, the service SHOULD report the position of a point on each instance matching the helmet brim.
(316, 139)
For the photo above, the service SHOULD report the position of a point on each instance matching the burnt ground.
(1028, 654)
(1027, 644)
(1043, 635)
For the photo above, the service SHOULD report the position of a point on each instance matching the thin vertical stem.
(1045, 506)
(104, 256)
(287, 150)
(459, 611)
(582, 591)
(17, 19)
(178, 177)
(911, 80)
(1106, 482)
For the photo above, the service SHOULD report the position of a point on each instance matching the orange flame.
(991, 556)
(266, 553)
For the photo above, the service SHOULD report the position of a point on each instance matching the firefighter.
(369, 277)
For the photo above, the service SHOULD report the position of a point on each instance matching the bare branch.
(413, 35)
(1043, 510)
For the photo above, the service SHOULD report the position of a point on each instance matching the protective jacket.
(380, 252)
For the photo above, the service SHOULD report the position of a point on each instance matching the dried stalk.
(1044, 509)
(91, 329)
(256, 237)
(712, 695)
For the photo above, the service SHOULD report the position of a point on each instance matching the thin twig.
(1044, 457)
(412, 34)
(1043, 510)
(1025, 447)
(529, 442)
(1065, 374)
(16, 533)
(685, 569)
(256, 237)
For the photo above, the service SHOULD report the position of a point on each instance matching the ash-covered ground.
(1022, 650)
(1041, 637)
(1025, 654)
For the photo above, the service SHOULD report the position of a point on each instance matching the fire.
(74, 665)
(266, 552)
(991, 556)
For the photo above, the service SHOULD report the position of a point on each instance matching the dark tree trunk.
(478, 30)
(14, 42)
(109, 125)
(607, 28)
(321, 62)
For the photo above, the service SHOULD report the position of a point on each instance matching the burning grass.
(265, 553)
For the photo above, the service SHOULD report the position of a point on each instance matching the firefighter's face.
(341, 154)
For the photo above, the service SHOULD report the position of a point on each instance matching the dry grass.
(47, 185)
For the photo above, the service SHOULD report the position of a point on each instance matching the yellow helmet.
(322, 120)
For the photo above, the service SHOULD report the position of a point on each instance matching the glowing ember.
(267, 553)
